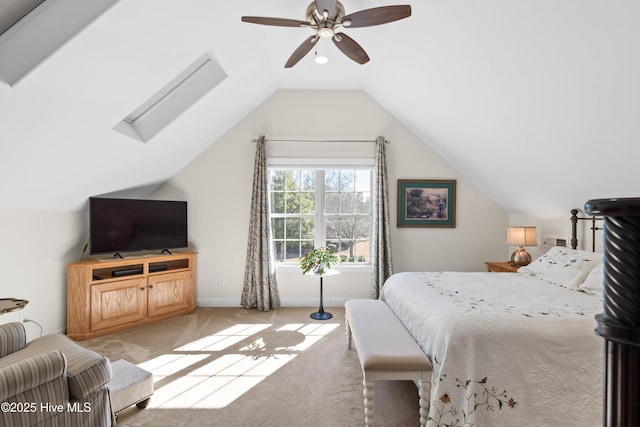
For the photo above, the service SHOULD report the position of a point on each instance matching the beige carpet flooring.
(237, 367)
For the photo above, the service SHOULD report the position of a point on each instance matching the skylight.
(173, 99)
(31, 30)
(12, 11)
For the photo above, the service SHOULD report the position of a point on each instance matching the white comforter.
(507, 349)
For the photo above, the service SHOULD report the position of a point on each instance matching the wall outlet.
(221, 281)
(22, 315)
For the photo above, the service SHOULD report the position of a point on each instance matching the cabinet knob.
(142, 288)
(150, 286)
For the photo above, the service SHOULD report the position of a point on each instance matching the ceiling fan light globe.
(321, 60)
(325, 33)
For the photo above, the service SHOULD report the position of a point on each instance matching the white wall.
(35, 248)
(217, 186)
(558, 225)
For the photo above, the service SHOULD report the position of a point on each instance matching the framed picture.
(426, 203)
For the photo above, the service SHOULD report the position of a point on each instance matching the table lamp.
(520, 237)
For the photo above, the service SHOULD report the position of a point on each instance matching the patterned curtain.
(260, 287)
(381, 239)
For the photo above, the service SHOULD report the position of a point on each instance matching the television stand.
(106, 296)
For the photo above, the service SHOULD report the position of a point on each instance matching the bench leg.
(369, 404)
(346, 323)
(424, 392)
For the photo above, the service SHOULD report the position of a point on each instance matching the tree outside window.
(313, 208)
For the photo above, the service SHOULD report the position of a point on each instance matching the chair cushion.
(12, 338)
(33, 372)
(87, 370)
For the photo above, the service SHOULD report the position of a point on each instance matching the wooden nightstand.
(501, 267)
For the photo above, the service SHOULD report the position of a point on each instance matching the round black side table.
(321, 314)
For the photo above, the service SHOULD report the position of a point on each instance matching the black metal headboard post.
(574, 229)
(619, 325)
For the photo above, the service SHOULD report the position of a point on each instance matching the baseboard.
(218, 302)
(284, 302)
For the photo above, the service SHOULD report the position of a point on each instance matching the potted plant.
(319, 261)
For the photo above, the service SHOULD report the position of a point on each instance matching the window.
(321, 207)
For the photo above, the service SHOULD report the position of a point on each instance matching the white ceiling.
(536, 101)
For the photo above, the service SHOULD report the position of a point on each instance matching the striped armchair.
(51, 381)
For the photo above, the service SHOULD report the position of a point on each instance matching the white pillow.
(594, 283)
(565, 267)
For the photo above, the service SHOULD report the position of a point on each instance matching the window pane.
(307, 246)
(277, 228)
(353, 235)
(277, 179)
(341, 248)
(293, 228)
(308, 180)
(293, 250)
(332, 203)
(345, 222)
(308, 203)
(334, 246)
(292, 203)
(347, 180)
(292, 182)
(332, 230)
(362, 239)
(361, 251)
(363, 203)
(363, 180)
(278, 250)
(361, 227)
(277, 202)
(307, 229)
(332, 180)
(347, 203)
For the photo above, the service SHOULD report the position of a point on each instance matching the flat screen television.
(131, 225)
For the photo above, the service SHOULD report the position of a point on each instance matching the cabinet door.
(117, 303)
(170, 292)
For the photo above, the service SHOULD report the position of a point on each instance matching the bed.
(509, 349)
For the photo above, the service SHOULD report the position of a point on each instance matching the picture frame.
(427, 203)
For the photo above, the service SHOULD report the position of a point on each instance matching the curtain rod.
(254, 140)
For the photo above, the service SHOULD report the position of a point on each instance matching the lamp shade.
(521, 236)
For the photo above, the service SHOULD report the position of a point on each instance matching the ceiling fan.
(325, 17)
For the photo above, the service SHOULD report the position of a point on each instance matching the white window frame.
(322, 164)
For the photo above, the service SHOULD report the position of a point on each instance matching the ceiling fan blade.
(278, 22)
(328, 5)
(351, 48)
(376, 16)
(301, 51)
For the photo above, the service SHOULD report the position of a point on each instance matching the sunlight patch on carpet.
(169, 364)
(224, 339)
(199, 375)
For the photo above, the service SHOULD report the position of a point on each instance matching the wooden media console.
(106, 296)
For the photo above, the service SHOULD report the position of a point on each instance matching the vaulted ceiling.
(536, 101)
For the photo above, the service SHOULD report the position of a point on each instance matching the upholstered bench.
(130, 385)
(386, 351)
